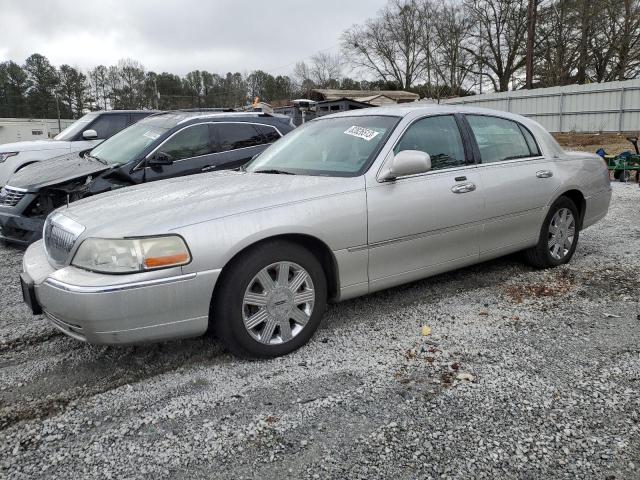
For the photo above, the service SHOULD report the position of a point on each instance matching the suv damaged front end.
(23, 212)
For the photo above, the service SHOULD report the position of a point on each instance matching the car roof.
(113, 112)
(417, 109)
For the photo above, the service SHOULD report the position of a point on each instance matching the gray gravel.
(527, 374)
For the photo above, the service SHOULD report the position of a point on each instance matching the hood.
(55, 171)
(36, 146)
(159, 207)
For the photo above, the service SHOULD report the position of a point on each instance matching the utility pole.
(157, 94)
(58, 112)
(532, 14)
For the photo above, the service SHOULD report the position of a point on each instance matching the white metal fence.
(597, 107)
(20, 129)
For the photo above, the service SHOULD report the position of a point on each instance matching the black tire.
(540, 256)
(226, 315)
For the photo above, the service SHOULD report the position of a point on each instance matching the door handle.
(544, 174)
(463, 188)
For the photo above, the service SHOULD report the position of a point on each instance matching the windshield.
(341, 147)
(129, 144)
(76, 127)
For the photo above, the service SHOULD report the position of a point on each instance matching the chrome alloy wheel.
(278, 303)
(562, 231)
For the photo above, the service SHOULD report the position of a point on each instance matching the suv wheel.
(270, 300)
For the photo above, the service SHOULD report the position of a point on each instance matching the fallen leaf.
(426, 331)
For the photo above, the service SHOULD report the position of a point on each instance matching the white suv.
(84, 134)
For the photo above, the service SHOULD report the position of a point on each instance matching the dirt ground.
(613, 143)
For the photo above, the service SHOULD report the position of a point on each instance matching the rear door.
(518, 181)
(430, 222)
(192, 150)
(237, 142)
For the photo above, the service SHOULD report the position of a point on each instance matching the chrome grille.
(60, 235)
(9, 197)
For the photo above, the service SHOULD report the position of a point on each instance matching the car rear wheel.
(558, 236)
(270, 300)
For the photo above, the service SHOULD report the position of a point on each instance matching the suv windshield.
(76, 127)
(129, 144)
(339, 147)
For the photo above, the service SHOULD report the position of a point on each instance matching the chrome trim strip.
(117, 288)
(431, 233)
(16, 189)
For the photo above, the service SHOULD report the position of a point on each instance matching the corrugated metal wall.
(597, 107)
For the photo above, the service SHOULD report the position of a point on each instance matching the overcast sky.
(178, 36)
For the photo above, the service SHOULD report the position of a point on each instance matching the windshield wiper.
(275, 172)
(98, 159)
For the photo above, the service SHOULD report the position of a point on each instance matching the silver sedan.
(341, 207)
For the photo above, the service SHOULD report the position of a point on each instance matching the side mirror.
(89, 134)
(407, 162)
(160, 159)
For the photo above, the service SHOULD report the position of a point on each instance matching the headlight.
(131, 255)
(5, 155)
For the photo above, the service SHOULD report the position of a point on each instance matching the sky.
(179, 36)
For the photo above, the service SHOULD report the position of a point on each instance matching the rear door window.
(438, 136)
(232, 136)
(500, 139)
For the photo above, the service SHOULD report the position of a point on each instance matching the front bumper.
(121, 309)
(15, 228)
(18, 228)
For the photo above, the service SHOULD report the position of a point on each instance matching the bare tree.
(557, 47)
(501, 25)
(326, 69)
(302, 76)
(389, 46)
(448, 56)
(625, 16)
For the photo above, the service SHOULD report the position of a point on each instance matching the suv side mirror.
(89, 134)
(160, 159)
(407, 162)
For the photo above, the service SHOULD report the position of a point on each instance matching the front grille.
(60, 235)
(10, 197)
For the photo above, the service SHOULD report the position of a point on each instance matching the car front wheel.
(270, 300)
(558, 236)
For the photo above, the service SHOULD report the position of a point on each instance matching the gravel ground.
(526, 374)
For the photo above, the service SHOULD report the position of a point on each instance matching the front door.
(192, 150)
(422, 224)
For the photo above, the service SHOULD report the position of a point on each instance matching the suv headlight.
(5, 155)
(131, 255)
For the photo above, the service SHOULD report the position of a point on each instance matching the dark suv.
(164, 145)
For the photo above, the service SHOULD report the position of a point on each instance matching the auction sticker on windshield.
(151, 134)
(362, 132)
